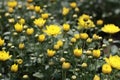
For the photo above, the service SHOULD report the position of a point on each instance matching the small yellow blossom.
(77, 9)
(114, 61)
(2, 42)
(77, 52)
(22, 21)
(12, 4)
(96, 53)
(18, 27)
(41, 37)
(10, 10)
(76, 36)
(25, 76)
(66, 27)
(96, 77)
(11, 20)
(73, 4)
(73, 77)
(83, 35)
(84, 65)
(14, 68)
(56, 46)
(50, 53)
(106, 69)
(19, 61)
(30, 31)
(110, 40)
(73, 40)
(110, 28)
(4, 56)
(66, 65)
(88, 52)
(99, 22)
(52, 30)
(37, 8)
(89, 40)
(45, 15)
(62, 59)
(39, 22)
(65, 11)
(95, 37)
(31, 7)
(60, 43)
(21, 46)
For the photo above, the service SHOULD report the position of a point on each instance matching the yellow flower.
(45, 15)
(66, 27)
(89, 40)
(31, 7)
(4, 56)
(12, 4)
(14, 68)
(84, 65)
(41, 37)
(30, 31)
(114, 61)
(99, 22)
(39, 22)
(77, 52)
(50, 53)
(10, 9)
(73, 40)
(19, 61)
(18, 27)
(25, 76)
(88, 52)
(83, 35)
(73, 5)
(76, 36)
(96, 77)
(106, 69)
(21, 46)
(11, 20)
(65, 11)
(84, 21)
(52, 30)
(37, 8)
(110, 28)
(95, 37)
(56, 46)
(60, 43)
(66, 65)
(62, 59)
(110, 40)
(22, 21)
(1, 42)
(77, 9)
(73, 77)
(96, 53)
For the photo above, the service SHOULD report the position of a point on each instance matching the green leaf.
(114, 49)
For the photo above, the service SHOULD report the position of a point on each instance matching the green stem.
(63, 75)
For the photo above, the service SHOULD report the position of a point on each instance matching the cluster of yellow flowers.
(58, 46)
(113, 61)
(84, 21)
